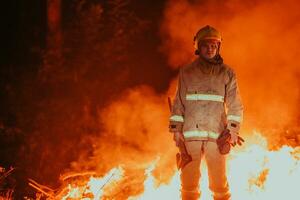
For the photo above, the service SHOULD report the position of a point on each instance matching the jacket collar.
(209, 66)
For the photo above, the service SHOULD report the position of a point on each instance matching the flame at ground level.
(254, 173)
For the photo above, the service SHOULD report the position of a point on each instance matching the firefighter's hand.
(178, 136)
(233, 138)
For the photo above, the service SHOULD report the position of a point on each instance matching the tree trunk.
(54, 36)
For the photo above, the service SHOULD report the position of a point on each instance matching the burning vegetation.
(93, 117)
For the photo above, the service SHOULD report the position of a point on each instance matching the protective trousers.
(216, 165)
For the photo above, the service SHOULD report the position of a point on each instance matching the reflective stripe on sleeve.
(196, 133)
(177, 118)
(234, 118)
(205, 97)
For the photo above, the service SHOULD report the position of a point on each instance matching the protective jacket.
(206, 102)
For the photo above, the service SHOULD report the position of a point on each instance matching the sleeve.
(233, 104)
(177, 111)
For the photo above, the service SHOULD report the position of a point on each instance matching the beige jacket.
(207, 100)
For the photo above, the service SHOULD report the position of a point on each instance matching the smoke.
(135, 134)
(96, 62)
(93, 105)
(260, 42)
(135, 124)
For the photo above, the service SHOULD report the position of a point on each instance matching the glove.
(234, 132)
(233, 138)
(225, 140)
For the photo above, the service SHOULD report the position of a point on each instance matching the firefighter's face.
(208, 49)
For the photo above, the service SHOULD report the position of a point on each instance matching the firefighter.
(207, 102)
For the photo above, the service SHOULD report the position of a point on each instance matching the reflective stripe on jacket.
(207, 100)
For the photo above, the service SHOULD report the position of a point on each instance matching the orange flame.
(262, 48)
(254, 173)
(260, 43)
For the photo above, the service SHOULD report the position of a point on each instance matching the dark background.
(107, 47)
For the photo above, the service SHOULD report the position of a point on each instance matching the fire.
(254, 173)
(134, 126)
(253, 41)
(93, 188)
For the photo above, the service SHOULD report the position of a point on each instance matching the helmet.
(207, 33)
